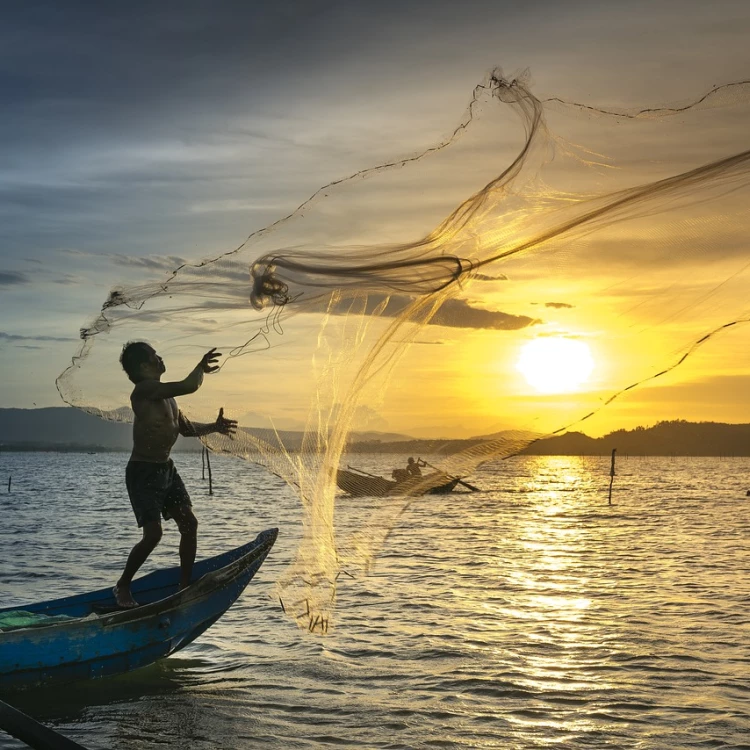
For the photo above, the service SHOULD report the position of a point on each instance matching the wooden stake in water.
(208, 464)
(203, 462)
(612, 474)
(9, 480)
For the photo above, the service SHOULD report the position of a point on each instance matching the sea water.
(532, 614)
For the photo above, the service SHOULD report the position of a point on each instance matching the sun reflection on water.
(552, 590)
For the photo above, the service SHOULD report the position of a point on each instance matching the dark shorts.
(154, 490)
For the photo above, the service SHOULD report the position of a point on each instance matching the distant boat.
(360, 485)
(103, 640)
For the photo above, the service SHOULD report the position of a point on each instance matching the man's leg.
(138, 555)
(187, 523)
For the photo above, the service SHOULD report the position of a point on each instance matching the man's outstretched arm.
(198, 429)
(154, 389)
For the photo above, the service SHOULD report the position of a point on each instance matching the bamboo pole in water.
(210, 482)
(30, 731)
(612, 474)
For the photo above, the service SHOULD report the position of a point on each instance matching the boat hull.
(107, 641)
(358, 485)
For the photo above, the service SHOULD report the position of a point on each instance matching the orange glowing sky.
(125, 153)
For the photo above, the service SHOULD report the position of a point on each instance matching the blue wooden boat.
(102, 640)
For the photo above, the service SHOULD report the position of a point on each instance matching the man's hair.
(134, 354)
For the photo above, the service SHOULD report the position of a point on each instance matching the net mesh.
(410, 288)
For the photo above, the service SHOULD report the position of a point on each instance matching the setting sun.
(555, 365)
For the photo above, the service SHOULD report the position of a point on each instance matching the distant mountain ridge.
(64, 428)
(61, 426)
(670, 438)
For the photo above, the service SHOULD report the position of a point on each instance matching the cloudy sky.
(136, 136)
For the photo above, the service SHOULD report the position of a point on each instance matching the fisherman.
(412, 466)
(412, 470)
(154, 486)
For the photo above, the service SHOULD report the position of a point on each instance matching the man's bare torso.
(155, 429)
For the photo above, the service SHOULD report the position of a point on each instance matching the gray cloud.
(11, 278)
(67, 279)
(115, 122)
(457, 313)
(454, 313)
(220, 270)
(152, 262)
(488, 277)
(17, 337)
(558, 305)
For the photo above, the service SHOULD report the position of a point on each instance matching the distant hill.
(64, 428)
(674, 438)
(378, 437)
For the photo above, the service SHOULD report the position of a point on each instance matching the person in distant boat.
(413, 467)
(412, 470)
(154, 486)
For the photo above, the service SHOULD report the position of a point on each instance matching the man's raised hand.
(225, 426)
(209, 360)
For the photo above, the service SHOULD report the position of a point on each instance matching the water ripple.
(529, 615)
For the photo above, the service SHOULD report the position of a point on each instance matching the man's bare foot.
(124, 598)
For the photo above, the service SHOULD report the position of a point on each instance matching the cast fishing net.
(411, 287)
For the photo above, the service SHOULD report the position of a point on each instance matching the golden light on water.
(555, 364)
